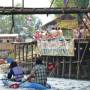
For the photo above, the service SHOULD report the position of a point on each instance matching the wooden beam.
(20, 10)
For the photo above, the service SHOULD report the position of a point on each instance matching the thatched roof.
(67, 17)
(64, 21)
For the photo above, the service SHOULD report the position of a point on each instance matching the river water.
(68, 84)
(58, 84)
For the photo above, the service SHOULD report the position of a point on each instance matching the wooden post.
(19, 52)
(78, 67)
(63, 67)
(46, 61)
(22, 3)
(15, 50)
(12, 3)
(70, 67)
(23, 51)
(57, 66)
(32, 50)
(78, 63)
(32, 55)
(26, 52)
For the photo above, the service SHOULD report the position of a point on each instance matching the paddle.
(3, 79)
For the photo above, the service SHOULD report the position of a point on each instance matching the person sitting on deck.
(15, 71)
(39, 73)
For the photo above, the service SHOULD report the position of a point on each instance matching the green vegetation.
(72, 3)
(60, 3)
(20, 21)
(82, 3)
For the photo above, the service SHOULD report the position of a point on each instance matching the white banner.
(56, 47)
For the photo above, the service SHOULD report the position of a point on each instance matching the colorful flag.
(65, 2)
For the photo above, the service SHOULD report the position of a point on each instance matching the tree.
(81, 4)
(72, 3)
(20, 21)
(5, 23)
(60, 3)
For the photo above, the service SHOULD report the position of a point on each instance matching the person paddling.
(39, 73)
(16, 72)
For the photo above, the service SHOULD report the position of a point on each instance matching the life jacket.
(18, 73)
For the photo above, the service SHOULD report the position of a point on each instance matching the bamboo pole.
(57, 66)
(26, 52)
(70, 67)
(63, 67)
(20, 10)
(78, 63)
(23, 51)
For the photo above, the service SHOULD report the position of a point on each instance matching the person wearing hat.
(39, 73)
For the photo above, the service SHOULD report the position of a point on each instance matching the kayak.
(36, 86)
(10, 84)
(33, 85)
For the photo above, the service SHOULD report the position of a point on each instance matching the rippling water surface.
(58, 84)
